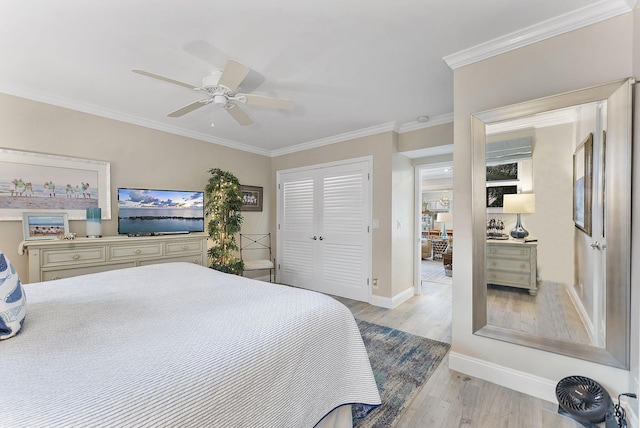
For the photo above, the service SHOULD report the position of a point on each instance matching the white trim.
(391, 302)
(591, 14)
(513, 379)
(582, 313)
(417, 231)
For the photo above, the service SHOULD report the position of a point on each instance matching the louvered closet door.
(297, 251)
(324, 235)
(344, 254)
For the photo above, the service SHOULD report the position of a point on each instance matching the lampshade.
(521, 203)
(444, 217)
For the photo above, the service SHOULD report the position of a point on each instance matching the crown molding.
(596, 12)
(378, 129)
(542, 120)
(29, 94)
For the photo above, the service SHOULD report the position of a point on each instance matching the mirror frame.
(618, 213)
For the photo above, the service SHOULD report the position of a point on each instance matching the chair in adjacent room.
(255, 253)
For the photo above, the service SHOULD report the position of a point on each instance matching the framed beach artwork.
(44, 225)
(37, 182)
(251, 198)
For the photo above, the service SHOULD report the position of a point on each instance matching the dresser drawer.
(513, 251)
(49, 275)
(126, 252)
(194, 258)
(509, 264)
(509, 278)
(180, 247)
(69, 257)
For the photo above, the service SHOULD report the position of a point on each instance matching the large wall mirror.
(552, 212)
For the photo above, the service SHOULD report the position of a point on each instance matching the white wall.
(593, 55)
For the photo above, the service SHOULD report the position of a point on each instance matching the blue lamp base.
(519, 232)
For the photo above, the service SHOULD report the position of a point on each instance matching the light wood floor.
(550, 313)
(450, 399)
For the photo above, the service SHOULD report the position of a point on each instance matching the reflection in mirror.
(551, 223)
(535, 282)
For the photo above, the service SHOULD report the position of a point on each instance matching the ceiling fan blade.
(165, 79)
(239, 115)
(233, 74)
(260, 100)
(189, 107)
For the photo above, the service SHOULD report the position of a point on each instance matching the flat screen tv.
(159, 212)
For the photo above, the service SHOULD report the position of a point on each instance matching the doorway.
(434, 228)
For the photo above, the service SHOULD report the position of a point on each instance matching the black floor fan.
(586, 401)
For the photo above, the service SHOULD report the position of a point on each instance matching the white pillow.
(13, 304)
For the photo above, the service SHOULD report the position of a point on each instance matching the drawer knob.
(522, 252)
(494, 263)
(521, 265)
(196, 261)
(138, 251)
(76, 256)
(185, 247)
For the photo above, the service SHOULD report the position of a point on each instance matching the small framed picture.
(44, 225)
(251, 198)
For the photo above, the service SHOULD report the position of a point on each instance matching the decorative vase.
(94, 222)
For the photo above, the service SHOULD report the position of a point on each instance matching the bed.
(179, 344)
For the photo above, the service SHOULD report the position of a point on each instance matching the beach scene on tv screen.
(142, 211)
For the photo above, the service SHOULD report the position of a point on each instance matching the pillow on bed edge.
(13, 305)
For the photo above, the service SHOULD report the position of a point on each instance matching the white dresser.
(512, 263)
(55, 259)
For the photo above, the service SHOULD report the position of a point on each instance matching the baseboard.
(513, 379)
(392, 302)
(582, 313)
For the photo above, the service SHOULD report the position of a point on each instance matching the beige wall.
(431, 136)
(590, 56)
(139, 157)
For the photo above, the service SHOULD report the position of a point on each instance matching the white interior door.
(324, 229)
(297, 229)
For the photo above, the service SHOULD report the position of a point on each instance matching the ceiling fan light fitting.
(212, 79)
(220, 100)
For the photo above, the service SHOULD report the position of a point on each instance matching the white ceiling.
(352, 66)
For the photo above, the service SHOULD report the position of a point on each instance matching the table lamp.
(521, 203)
(444, 218)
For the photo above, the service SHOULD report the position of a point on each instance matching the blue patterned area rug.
(402, 363)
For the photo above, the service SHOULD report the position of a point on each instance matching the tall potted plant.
(223, 203)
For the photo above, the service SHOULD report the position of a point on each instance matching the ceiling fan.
(220, 89)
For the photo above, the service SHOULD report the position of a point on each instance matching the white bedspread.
(180, 345)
